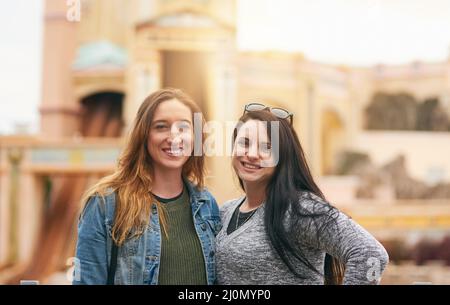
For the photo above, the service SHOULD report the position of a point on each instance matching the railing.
(400, 218)
(409, 274)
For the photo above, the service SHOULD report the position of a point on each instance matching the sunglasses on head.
(276, 111)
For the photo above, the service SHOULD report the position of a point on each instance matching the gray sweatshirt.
(246, 256)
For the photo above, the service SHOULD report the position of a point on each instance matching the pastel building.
(97, 71)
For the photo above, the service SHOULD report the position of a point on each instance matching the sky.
(20, 63)
(349, 32)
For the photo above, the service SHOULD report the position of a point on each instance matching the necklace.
(239, 214)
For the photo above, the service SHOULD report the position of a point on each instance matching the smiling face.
(170, 139)
(252, 158)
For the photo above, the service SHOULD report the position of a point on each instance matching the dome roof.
(100, 54)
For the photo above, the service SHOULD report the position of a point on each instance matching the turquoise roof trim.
(100, 53)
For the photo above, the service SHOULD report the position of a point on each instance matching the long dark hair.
(290, 179)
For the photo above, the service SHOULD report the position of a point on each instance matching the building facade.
(96, 73)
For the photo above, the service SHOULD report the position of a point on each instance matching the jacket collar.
(197, 197)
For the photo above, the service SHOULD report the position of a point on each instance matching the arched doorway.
(102, 115)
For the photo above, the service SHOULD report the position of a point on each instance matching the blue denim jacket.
(138, 259)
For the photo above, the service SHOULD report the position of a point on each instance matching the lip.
(169, 152)
(250, 166)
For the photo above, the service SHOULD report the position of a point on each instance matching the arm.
(363, 256)
(91, 250)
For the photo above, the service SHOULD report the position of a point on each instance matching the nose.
(252, 152)
(174, 136)
(174, 130)
(174, 139)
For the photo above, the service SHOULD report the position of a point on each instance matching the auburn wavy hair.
(132, 179)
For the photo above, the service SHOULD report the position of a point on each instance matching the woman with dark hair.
(283, 231)
(151, 221)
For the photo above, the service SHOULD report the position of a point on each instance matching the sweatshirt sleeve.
(338, 235)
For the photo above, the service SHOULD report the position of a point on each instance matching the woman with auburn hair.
(283, 231)
(151, 221)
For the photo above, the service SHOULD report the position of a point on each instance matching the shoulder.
(205, 195)
(316, 214)
(229, 205)
(100, 204)
(211, 201)
(197, 192)
(310, 203)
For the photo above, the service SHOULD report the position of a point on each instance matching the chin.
(173, 164)
(250, 178)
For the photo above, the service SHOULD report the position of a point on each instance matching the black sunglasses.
(276, 111)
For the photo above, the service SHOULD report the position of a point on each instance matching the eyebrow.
(247, 138)
(165, 121)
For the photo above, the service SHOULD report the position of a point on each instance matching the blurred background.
(368, 82)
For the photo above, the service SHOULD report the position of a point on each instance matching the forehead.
(254, 129)
(172, 110)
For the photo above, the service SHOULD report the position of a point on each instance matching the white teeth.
(251, 166)
(171, 152)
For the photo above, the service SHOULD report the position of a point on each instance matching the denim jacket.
(138, 259)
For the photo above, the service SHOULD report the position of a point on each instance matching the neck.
(255, 195)
(167, 183)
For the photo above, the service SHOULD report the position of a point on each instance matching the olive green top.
(182, 261)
